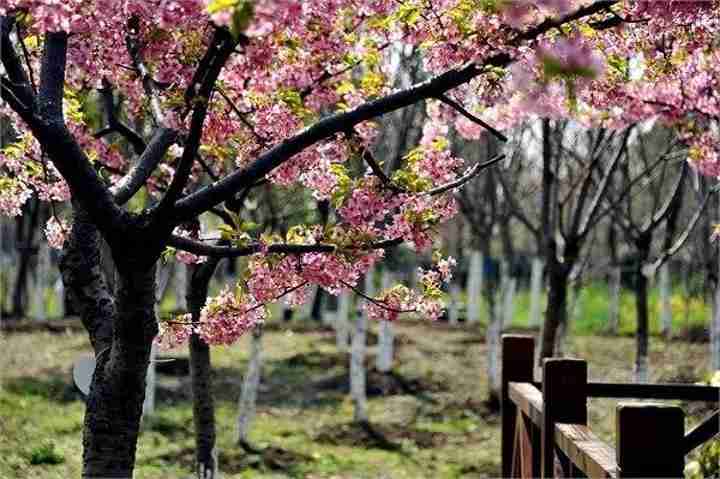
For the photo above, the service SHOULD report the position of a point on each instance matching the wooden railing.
(544, 424)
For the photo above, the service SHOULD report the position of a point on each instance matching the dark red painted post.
(518, 353)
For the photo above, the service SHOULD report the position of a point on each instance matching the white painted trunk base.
(474, 287)
(248, 396)
(342, 326)
(386, 335)
(454, 306)
(358, 374)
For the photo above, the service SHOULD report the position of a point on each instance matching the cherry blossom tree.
(221, 95)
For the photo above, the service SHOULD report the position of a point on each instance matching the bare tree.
(642, 218)
(576, 166)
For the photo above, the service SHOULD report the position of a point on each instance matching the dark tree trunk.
(26, 227)
(114, 408)
(556, 314)
(200, 374)
(317, 305)
(121, 330)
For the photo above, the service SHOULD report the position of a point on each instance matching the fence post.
(564, 401)
(518, 354)
(649, 440)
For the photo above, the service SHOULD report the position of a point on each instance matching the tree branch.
(650, 269)
(472, 172)
(114, 124)
(202, 249)
(221, 47)
(149, 160)
(453, 104)
(207, 197)
(18, 87)
(52, 77)
(603, 186)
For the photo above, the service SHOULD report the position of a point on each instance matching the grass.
(304, 415)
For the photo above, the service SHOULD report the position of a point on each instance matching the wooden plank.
(678, 392)
(522, 461)
(535, 445)
(702, 433)
(586, 450)
(528, 399)
(518, 356)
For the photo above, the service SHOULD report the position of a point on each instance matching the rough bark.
(556, 309)
(121, 331)
(206, 463)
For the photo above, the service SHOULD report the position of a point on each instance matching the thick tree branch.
(210, 196)
(52, 77)
(114, 125)
(149, 160)
(134, 48)
(221, 47)
(656, 219)
(202, 249)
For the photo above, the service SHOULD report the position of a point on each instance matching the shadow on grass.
(388, 437)
(55, 386)
(237, 460)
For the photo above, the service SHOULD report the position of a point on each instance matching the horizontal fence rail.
(678, 392)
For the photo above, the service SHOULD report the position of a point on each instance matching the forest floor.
(430, 418)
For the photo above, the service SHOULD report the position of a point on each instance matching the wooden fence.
(544, 424)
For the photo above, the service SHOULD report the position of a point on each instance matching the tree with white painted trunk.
(475, 286)
(641, 224)
(386, 334)
(251, 383)
(342, 323)
(358, 353)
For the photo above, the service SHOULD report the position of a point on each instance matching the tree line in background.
(307, 141)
